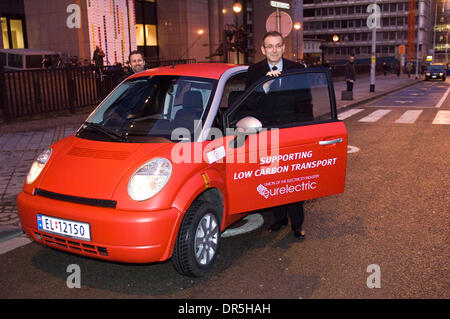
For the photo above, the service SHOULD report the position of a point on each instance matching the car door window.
(293, 99)
(234, 87)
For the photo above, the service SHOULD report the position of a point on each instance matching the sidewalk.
(361, 90)
(22, 142)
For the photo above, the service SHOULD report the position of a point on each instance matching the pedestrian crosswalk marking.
(346, 114)
(375, 116)
(442, 117)
(443, 98)
(409, 117)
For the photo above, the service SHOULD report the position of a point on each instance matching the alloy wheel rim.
(206, 239)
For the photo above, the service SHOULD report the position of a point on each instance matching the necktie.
(277, 84)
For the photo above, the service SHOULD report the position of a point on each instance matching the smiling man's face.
(273, 49)
(137, 63)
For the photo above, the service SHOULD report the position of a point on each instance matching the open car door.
(288, 144)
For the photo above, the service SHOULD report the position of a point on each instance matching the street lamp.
(297, 27)
(335, 40)
(237, 8)
(374, 24)
(200, 32)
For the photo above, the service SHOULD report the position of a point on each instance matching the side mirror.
(249, 125)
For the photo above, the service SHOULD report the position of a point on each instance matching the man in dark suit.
(273, 48)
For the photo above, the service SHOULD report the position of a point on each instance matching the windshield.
(148, 109)
(436, 68)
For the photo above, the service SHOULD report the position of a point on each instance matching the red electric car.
(175, 155)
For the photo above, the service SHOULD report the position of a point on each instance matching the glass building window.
(140, 35)
(17, 34)
(13, 33)
(5, 33)
(150, 35)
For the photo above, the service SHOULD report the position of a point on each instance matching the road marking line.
(442, 117)
(443, 98)
(375, 116)
(13, 244)
(347, 114)
(409, 117)
(352, 149)
(404, 106)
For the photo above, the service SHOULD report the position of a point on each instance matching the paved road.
(393, 214)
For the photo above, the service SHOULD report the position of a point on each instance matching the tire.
(198, 240)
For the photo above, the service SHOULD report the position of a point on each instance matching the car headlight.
(441, 74)
(38, 165)
(428, 74)
(149, 179)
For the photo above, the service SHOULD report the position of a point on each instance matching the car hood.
(92, 169)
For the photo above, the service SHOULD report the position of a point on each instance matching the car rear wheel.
(198, 240)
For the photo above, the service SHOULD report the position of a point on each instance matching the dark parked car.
(435, 71)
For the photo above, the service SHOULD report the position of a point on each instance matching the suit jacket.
(260, 69)
(267, 107)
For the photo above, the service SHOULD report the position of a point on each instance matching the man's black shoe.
(277, 226)
(300, 234)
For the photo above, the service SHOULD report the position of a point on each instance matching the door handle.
(338, 140)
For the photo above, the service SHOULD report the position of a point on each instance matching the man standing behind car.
(273, 48)
(137, 62)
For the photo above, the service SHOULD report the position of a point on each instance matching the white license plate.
(64, 227)
(434, 76)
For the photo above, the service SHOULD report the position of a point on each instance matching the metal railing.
(30, 92)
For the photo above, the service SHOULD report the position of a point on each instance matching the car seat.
(192, 110)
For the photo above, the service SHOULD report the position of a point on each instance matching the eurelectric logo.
(286, 189)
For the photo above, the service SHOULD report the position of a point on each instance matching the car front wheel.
(198, 240)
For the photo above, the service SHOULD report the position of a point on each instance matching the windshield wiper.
(106, 131)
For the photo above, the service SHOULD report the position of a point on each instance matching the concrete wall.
(11, 6)
(47, 28)
(178, 24)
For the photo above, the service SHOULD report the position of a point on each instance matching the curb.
(376, 96)
(10, 232)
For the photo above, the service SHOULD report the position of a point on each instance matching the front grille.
(70, 244)
(76, 199)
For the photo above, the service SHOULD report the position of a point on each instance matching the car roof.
(204, 70)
